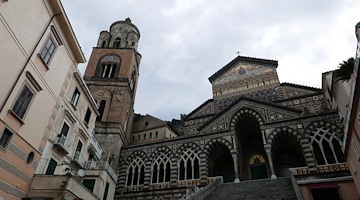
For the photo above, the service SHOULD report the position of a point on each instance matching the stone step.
(280, 189)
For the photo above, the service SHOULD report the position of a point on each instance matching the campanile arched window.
(108, 66)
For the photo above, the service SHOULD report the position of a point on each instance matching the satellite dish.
(81, 172)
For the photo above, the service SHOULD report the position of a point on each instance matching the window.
(5, 138)
(89, 184)
(30, 158)
(189, 165)
(48, 50)
(101, 110)
(64, 130)
(326, 146)
(75, 97)
(79, 146)
(108, 70)
(160, 169)
(116, 43)
(136, 172)
(51, 167)
(106, 191)
(23, 102)
(87, 116)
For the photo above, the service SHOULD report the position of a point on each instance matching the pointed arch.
(324, 138)
(161, 165)
(188, 161)
(135, 173)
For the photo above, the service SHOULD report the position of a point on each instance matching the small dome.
(357, 25)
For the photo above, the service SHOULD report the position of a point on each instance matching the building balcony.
(78, 159)
(95, 147)
(45, 186)
(63, 144)
(106, 166)
(100, 165)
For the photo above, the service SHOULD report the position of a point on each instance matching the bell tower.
(112, 75)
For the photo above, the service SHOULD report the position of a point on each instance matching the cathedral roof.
(273, 63)
(198, 108)
(301, 86)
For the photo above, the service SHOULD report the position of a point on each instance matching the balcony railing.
(96, 145)
(78, 159)
(106, 166)
(63, 144)
(50, 184)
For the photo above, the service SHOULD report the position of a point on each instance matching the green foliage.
(345, 70)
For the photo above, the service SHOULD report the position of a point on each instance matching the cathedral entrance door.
(258, 172)
(257, 167)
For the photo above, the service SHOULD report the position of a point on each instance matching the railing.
(196, 193)
(106, 166)
(64, 144)
(96, 145)
(79, 159)
(51, 183)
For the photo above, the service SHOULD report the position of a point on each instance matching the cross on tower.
(238, 53)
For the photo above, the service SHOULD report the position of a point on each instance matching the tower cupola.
(122, 34)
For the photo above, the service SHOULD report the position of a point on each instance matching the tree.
(345, 70)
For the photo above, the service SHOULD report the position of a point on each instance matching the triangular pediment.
(242, 68)
(265, 112)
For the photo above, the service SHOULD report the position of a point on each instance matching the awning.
(93, 152)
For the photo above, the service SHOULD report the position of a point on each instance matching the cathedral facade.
(254, 127)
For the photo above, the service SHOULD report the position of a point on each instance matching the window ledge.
(17, 117)
(72, 104)
(43, 61)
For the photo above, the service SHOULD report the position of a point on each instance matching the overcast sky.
(184, 42)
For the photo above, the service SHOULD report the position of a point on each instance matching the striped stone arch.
(121, 176)
(304, 143)
(190, 145)
(243, 113)
(204, 156)
(213, 142)
(188, 151)
(335, 128)
(324, 131)
(166, 150)
(170, 155)
(135, 154)
(281, 131)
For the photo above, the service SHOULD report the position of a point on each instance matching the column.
(236, 168)
(268, 153)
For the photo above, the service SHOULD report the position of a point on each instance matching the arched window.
(108, 70)
(160, 169)
(116, 43)
(188, 165)
(135, 172)
(326, 146)
(101, 110)
(103, 43)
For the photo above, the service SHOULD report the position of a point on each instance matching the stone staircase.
(279, 189)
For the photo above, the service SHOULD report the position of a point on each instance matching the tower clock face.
(110, 58)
